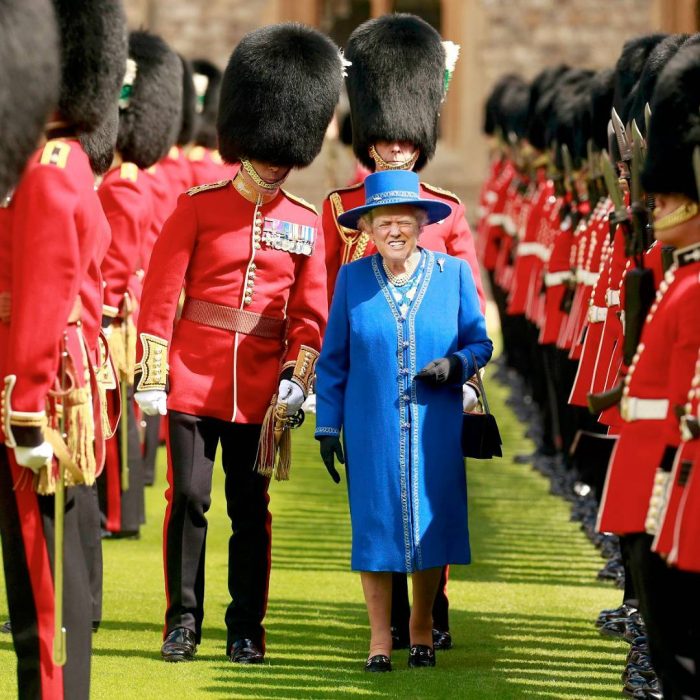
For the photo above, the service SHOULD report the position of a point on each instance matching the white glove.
(291, 394)
(34, 458)
(309, 406)
(152, 402)
(470, 399)
(107, 330)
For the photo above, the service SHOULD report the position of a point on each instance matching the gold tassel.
(80, 436)
(266, 446)
(45, 480)
(284, 453)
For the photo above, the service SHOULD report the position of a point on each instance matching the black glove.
(331, 448)
(442, 371)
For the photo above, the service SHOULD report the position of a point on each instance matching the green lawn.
(521, 615)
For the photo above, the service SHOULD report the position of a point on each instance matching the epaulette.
(300, 200)
(129, 171)
(153, 170)
(439, 190)
(348, 188)
(197, 153)
(209, 186)
(55, 153)
(216, 157)
(174, 153)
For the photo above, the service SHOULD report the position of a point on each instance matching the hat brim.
(436, 211)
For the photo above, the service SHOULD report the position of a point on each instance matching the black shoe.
(6, 628)
(125, 535)
(179, 645)
(378, 664)
(421, 655)
(615, 613)
(95, 625)
(399, 640)
(246, 651)
(442, 640)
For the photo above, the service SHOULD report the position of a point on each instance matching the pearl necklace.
(401, 279)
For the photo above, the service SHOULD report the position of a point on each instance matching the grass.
(521, 615)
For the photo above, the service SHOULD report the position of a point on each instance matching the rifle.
(639, 281)
(59, 637)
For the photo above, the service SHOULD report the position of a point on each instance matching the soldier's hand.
(441, 371)
(152, 402)
(34, 458)
(290, 394)
(331, 448)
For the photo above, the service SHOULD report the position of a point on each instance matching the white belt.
(632, 409)
(490, 196)
(482, 211)
(551, 279)
(586, 277)
(529, 248)
(597, 314)
(509, 225)
(612, 297)
(495, 219)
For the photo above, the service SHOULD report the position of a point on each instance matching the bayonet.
(647, 118)
(623, 142)
(568, 167)
(613, 187)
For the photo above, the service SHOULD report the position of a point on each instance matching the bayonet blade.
(612, 184)
(637, 138)
(623, 143)
(647, 118)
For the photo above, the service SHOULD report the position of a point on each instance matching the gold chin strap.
(677, 217)
(257, 179)
(381, 163)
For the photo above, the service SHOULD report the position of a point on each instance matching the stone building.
(495, 36)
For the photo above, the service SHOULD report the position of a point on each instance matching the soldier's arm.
(332, 244)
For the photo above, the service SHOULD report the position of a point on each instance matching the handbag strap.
(480, 384)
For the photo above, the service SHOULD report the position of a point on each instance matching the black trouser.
(27, 529)
(132, 508)
(89, 525)
(192, 444)
(669, 603)
(401, 609)
(151, 442)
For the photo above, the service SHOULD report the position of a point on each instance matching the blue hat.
(391, 187)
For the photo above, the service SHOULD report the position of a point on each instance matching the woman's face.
(394, 231)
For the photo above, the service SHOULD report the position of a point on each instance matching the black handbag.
(481, 438)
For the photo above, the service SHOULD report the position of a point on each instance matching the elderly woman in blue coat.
(404, 333)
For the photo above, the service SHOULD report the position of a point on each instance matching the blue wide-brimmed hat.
(391, 187)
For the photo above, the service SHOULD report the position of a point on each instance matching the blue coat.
(405, 471)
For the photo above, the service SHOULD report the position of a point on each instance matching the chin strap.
(383, 165)
(253, 175)
(677, 217)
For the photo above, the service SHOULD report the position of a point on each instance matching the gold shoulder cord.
(349, 236)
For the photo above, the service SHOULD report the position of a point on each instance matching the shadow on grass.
(318, 649)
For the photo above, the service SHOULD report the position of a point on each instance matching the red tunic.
(206, 166)
(451, 235)
(178, 171)
(662, 370)
(494, 198)
(210, 244)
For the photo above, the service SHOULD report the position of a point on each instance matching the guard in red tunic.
(52, 234)
(149, 117)
(657, 381)
(396, 85)
(251, 260)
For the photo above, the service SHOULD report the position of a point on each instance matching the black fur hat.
(149, 118)
(278, 95)
(630, 65)
(346, 130)
(674, 129)
(540, 103)
(101, 143)
(29, 81)
(643, 91)
(94, 49)
(492, 106)
(207, 83)
(188, 122)
(601, 90)
(513, 110)
(395, 84)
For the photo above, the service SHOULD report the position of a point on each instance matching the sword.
(124, 393)
(59, 635)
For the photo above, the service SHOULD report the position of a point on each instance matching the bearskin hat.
(540, 103)
(346, 130)
(630, 65)
(149, 119)
(601, 90)
(492, 105)
(674, 129)
(94, 49)
(29, 81)
(188, 121)
(207, 83)
(513, 110)
(395, 84)
(101, 143)
(643, 90)
(278, 95)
